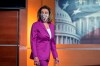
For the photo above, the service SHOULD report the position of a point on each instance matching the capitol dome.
(65, 29)
(61, 14)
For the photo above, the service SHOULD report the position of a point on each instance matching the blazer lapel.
(47, 34)
(43, 27)
(51, 30)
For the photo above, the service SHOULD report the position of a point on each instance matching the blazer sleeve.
(53, 48)
(33, 38)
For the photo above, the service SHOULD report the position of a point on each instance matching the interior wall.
(33, 6)
(23, 37)
(69, 55)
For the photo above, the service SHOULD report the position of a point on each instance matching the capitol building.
(78, 32)
(65, 31)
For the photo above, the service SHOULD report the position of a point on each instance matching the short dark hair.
(39, 13)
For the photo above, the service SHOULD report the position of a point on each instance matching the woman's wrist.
(56, 60)
(36, 59)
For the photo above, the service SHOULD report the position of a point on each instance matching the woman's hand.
(57, 61)
(36, 61)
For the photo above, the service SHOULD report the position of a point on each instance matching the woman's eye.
(46, 12)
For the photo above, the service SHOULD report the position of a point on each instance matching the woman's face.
(44, 15)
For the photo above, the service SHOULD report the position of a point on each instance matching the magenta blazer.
(41, 44)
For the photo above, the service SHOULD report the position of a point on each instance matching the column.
(77, 42)
(70, 41)
(73, 41)
(57, 39)
(95, 26)
(66, 40)
(61, 39)
(88, 26)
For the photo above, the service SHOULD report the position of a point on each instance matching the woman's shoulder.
(35, 23)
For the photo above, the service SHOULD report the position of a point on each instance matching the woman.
(42, 38)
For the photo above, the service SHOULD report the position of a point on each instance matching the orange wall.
(69, 55)
(23, 37)
(33, 6)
